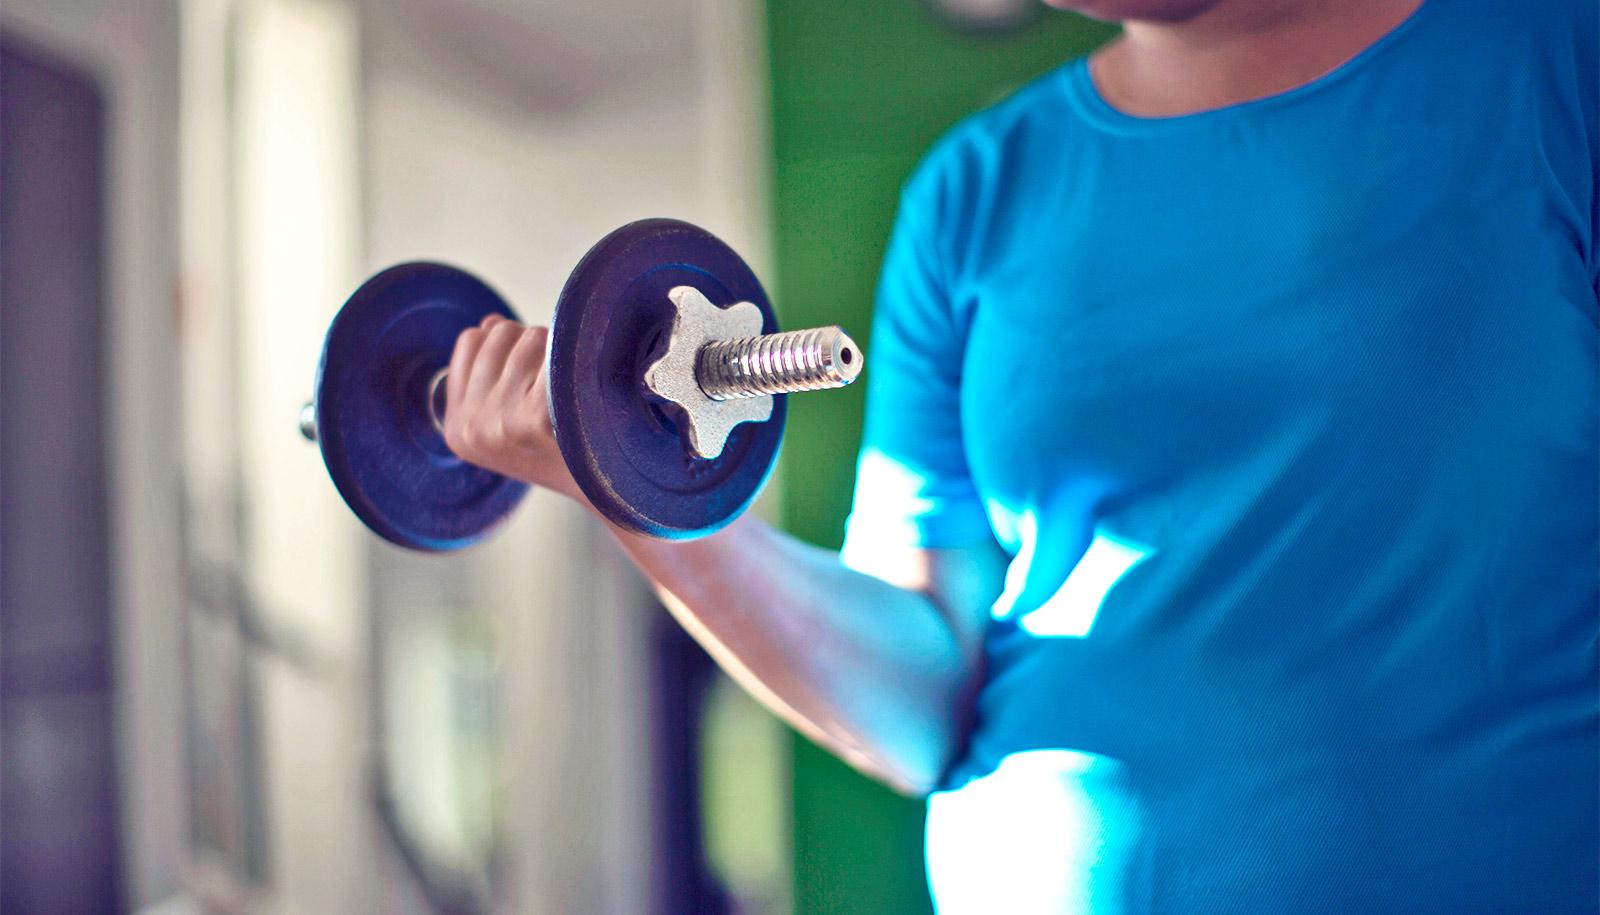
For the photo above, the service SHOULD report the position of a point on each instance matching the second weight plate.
(373, 425)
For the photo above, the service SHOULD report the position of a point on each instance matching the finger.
(526, 359)
(487, 368)
(461, 360)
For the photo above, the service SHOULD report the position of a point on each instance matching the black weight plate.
(626, 453)
(385, 457)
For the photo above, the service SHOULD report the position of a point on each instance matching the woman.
(1226, 529)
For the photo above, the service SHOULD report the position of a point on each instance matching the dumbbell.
(667, 379)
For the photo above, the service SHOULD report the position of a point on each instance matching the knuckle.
(468, 438)
(525, 434)
(500, 436)
(455, 441)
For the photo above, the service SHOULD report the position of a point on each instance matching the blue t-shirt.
(1287, 414)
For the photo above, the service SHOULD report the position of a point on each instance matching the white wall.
(296, 192)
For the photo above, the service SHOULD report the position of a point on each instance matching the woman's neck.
(1236, 51)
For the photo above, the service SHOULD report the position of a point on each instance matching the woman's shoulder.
(973, 150)
(1507, 23)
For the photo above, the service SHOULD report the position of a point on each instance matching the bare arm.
(882, 674)
(880, 669)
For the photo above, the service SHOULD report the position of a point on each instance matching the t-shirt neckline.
(1093, 107)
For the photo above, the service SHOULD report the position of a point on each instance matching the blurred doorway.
(58, 787)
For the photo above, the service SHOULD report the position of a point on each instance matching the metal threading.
(813, 359)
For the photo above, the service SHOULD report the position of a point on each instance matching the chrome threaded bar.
(798, 360)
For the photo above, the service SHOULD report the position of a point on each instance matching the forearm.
(876, 673)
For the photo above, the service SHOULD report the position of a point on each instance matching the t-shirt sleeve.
(913, 488)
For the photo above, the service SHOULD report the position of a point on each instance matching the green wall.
(859, 90)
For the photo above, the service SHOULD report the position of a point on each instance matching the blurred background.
(220, 693)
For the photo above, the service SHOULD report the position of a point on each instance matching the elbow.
(920, 783)
(929, 758)
(916, 789)
(918, 778)
(908, 770)
(903, 777)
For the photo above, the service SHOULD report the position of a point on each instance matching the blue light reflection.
(1071, 611)
(1047, 831)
